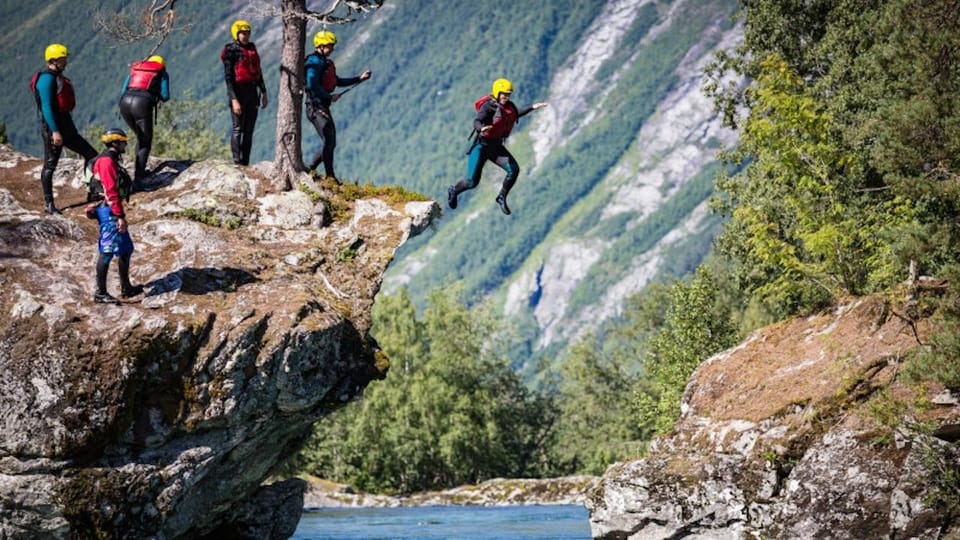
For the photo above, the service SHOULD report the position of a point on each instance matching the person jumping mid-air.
(496, 116)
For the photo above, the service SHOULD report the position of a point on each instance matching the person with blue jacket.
(145, 87)
(321, 81)
(55, 100)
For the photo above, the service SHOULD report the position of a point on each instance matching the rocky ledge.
(495, 492)
(802, 431)
(161, 417)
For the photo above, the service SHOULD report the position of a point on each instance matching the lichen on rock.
(777, 440)
(162, 417)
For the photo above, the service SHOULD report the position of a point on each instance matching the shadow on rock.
(159, 178)
(200, 281)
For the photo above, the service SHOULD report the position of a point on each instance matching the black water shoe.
(129, 292)
(502, 201)
(452, 197)
(105, 298)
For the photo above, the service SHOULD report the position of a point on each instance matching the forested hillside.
(614, 173)
(843, 182)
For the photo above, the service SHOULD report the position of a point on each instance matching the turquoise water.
(554, 522)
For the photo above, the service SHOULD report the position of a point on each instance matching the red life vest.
(503, 120)
(142, 75)
(328, 80)
(246, 69)
(66, 99)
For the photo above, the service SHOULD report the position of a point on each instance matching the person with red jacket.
(55, 100)
(114, 236)
(146, 86)
(496, 116)
(245, 88)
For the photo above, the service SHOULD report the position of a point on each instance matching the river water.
(554, 522)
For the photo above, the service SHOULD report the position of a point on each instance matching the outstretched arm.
(535, 106)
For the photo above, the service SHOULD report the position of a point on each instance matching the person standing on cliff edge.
(114, 236)
(321, 81)
(55, 100)
(146, 86)
(245, 88)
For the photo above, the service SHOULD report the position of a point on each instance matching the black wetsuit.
(241, 72)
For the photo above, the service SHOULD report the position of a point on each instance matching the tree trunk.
(288, 157)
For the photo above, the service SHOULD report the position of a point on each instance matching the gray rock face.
(161, 417)
(780, 438)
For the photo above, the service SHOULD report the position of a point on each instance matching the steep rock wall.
(162, 417)
(780, 438)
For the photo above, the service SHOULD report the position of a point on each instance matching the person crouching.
(114, 236)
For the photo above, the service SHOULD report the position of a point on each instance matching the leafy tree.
(183, 130)
(802, 225)
(3, 133)
(451, 411)
(849, 131)
(697, 325)
(597, 424)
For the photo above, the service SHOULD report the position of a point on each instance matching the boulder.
(801, 431)
(162, 417)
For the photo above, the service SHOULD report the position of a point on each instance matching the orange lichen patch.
(811, 360)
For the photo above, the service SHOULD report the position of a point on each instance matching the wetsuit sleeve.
(106, 171)
(485, 115)
(126, 84)
(524, 112)
(260, 82)
(230, 55)
(349, 81)
(47, 90)
(164, 86)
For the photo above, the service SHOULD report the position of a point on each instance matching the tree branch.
(155, 21)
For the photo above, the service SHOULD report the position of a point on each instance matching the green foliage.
(209, 216)
(450, 412)
(597, 424)
(939, 361)
(3, 133)
(802, 226)
(851, 143)
(696, 325)
(183, 130)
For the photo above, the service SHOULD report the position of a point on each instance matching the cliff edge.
(804, 430)
(161, 417)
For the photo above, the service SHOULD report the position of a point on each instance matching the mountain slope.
(613, 173)
(621, 161)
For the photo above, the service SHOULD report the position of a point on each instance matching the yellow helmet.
(500, 86)
(113, 135)
(324, 37)
(156, 58)
(54, 51)
(239, 26)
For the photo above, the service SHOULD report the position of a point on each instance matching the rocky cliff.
(161, 417)
(802, 431)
